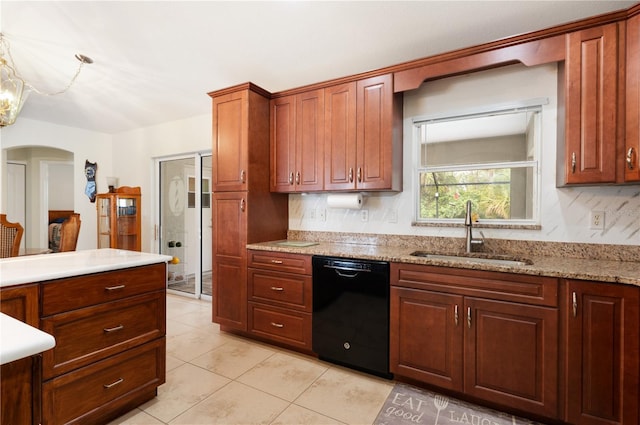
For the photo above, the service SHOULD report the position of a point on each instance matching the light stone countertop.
(626, 272)
(20, 340)
(39, 268)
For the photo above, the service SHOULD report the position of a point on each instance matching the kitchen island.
(106, 310)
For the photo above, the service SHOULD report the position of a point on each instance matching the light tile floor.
(217, 378)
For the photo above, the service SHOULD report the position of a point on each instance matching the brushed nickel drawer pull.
(455, 314)
(115, 328)
(113, 288)
(276, 261)
(277, 288)
(277, 325)
(113, 384)
(575, 304)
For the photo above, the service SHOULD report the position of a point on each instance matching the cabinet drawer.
(276, 324)
(537, 290)
(87, 335)
(82, 291)
(94, 394)
(280, 261)
(284, 289)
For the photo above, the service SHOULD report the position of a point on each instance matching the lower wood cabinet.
(110, 332)
(602, 360)
(491, 336)
(279, 294)
(20, 379)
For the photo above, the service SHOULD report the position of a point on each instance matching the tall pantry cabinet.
(244, 210)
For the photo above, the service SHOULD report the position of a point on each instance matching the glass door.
(184, 230)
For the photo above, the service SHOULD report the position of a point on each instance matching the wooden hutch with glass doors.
(119, 219)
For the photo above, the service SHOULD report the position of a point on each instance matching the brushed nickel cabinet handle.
(298, 177)
(291, 177)
(573, 162)
(114, 383)
(455, 314)
(359, 174)
(242, 205)
(350, 175)
(469, 317)
(630, 158)
(575, 304)
(243, 176)
(277, 325)
(113, 288)
(277, 261)
(277, 288)
(115, 328)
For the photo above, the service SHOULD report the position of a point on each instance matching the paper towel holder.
(353, 201)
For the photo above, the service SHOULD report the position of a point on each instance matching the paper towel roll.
(347, 200)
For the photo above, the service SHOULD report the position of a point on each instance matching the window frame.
(535, 163)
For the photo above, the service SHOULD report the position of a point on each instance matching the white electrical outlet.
(597, 220)
(392, 216)
(364, 215)
(322, 214)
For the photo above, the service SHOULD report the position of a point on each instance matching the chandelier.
(14, 90)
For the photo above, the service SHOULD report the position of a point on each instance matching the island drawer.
(86, 335)
(283, 289)
(280, 261)
(94, 394)
(285, 326)
(77, 292)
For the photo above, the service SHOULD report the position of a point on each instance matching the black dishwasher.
(351, 313)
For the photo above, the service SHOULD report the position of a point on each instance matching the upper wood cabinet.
(632, 141)
(297, 142)
(363, 135)
(591, 95)
(238, 118)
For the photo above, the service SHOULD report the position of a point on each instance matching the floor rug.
(407, 405)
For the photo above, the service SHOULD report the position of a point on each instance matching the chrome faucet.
(468, 222)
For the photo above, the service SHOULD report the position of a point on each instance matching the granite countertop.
(627, 272)
(38, 268)
(20, 340)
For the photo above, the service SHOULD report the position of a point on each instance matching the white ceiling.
(155, 61)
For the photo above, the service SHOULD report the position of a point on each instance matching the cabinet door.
(230, 141)
(602, 353)
(591, 105)
(309, 171)
(511, 355)
(632, 147)
(230, 259)
(340, 137)
(374, 131)
(283, 146)
(426, 336)
(19, 386)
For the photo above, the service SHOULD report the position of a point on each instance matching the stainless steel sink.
(476, 257)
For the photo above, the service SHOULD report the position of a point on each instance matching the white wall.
(564, 212)
(96, 147)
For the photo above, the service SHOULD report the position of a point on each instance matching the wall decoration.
(90, 169)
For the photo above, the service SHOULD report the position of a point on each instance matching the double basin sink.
(476, 257)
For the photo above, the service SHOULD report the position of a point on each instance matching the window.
(490, 158)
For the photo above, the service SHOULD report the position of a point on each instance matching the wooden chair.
(69, 233)
(10, 237)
